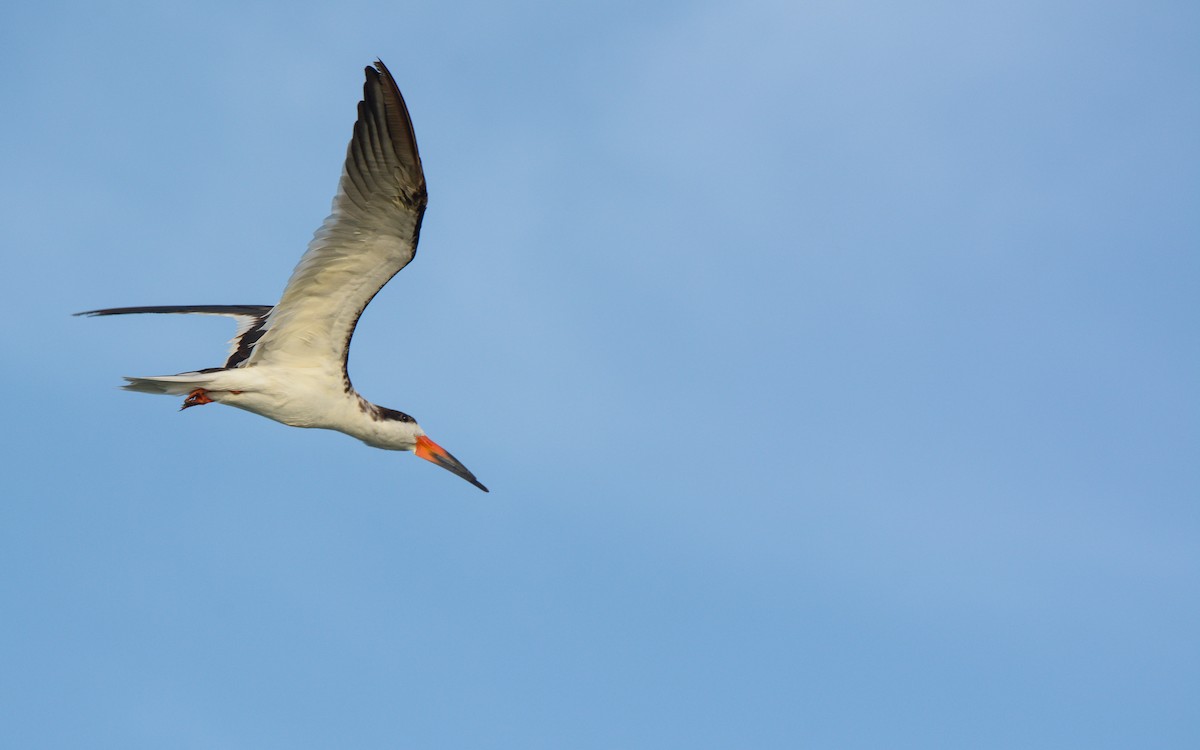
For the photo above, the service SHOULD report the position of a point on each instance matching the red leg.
(198, 397)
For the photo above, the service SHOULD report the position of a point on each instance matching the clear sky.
(833, 366)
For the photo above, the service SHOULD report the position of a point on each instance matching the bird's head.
(403, 433)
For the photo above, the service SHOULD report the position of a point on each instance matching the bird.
(288, 362)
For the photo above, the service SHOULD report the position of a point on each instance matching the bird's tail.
(171, 385)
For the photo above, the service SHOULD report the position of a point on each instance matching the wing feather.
(250, 319)
(370, 235)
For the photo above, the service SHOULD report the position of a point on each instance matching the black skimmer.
(288, 362)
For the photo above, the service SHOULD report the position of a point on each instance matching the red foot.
(198, 397)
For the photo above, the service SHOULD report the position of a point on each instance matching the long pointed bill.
(431, 451)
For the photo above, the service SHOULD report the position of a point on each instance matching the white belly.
(299, 397)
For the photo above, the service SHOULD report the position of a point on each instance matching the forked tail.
(171, 385)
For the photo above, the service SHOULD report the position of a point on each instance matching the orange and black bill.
(431, 451)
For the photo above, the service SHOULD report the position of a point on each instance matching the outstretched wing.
(371, 234)
(250, 319)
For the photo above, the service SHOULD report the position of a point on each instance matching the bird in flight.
(288, 362)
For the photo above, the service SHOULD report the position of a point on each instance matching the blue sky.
(832, 365)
